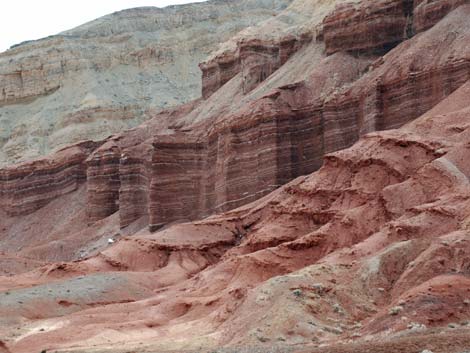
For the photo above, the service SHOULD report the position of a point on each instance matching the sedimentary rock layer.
(428, 12)
(236, 164)
(134, 190)
(61, 89)
(259, 59)
(255, 59)
(218, 71)
(285, 134)
(238, 157)
(103, 182)
(373, 244)
(371, 251)
(372, 26)
(378, 26)
(26, 187)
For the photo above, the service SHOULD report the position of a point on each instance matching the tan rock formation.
(104, 77)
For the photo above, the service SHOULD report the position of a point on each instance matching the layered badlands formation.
(101, 78)
(342, 133)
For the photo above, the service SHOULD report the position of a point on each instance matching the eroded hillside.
(342, 136)
(103, 77)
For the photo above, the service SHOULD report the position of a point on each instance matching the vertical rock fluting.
(184, 175)
(284, 135)
(371, 26)
(259, 59)
(103, 182)
(176, 184)
(235, 163)
(403, 84)
(26, 187)
(134, 189)
(134, 186)
(218, 71)
(378, 26)
(388, 104)
(120, 172)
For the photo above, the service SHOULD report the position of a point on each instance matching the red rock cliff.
(237, 157)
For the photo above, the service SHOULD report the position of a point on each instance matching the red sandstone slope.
(373, 243)
(372, 246)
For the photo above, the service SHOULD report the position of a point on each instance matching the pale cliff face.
(110, 74)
